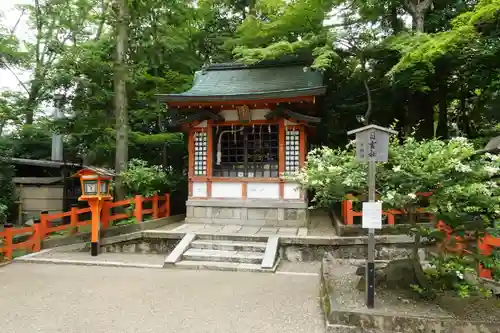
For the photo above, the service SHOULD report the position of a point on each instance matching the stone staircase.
(232, 253)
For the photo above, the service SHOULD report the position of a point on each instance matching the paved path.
(60, 298)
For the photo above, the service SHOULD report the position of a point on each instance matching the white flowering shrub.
(4, 210)
(470, 193)
(331, 174)
(146, 180)
(464, 185)
(423, 166)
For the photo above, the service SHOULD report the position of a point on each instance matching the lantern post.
(95, 183)
(372, 146)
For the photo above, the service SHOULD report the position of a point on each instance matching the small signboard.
(372, 143)
(372, 215)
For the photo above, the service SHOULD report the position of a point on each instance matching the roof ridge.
(261, 64)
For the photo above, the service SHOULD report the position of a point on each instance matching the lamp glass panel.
(104, 187)
(90, 187)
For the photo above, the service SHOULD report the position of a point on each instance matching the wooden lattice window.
(246, 151)
(292, 150)
(200, 153)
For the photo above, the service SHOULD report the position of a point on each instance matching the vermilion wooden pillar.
(210, 155)
(281, 156)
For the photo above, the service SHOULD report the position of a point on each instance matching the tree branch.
(14, 28)
(368, 92)
(344, 24)
(369, 100)
(102, 22)
(17, 77)
(410, 6)
(424, 5)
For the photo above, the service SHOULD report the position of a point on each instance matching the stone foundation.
(272, 213)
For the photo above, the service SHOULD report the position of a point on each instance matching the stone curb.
(3, 264)
(344, 320)
(288, 240)
(86, 263)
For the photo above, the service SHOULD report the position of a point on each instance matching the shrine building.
(247, 126)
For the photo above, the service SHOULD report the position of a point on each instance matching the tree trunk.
(415, 257)
(395, 22)
(464, 116)
(442, 127)
(418, 20)
(32, 102)
(420, 114)
(421, 108)
(417, 9)
(121, 113)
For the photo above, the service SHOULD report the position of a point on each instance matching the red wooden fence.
(348, 213)
(451, 243)
(43, 227)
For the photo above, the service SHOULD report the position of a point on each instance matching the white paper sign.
(372, 215)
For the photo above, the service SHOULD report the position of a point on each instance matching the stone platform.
(250, 212)
(199, 228)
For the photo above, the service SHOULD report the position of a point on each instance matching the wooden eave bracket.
(292, 114)
(198, 115)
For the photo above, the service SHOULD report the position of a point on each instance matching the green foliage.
(143, 179)
(7, 194)
(462, 185)
(332, 174)
(428, 48)
(446, 77)
(450, 273)
(495, 265)
(465, 192)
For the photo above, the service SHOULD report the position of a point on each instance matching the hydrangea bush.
(461, 181)
(331, 174)
(464, 185)
(146, 180)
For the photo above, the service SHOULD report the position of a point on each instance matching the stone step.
(236, 238)
(227, 245)
(220, 266)
(228, 256)
(336, 328)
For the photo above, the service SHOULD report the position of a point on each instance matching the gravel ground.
(343, 286)
(344, 282)
(59, 298)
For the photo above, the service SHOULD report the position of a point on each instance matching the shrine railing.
(31, 237)
(348, 213)
(451, 243)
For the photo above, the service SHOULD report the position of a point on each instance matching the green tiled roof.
(224, 82)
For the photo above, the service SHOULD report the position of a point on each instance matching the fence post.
(391, 219)
(156, 208)
(37, 241)
(44, 224)
(348, 219)
(167, 205)
(485, 250)
(74, 220)
(105, 215)
(9, 242)
(138, 208)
